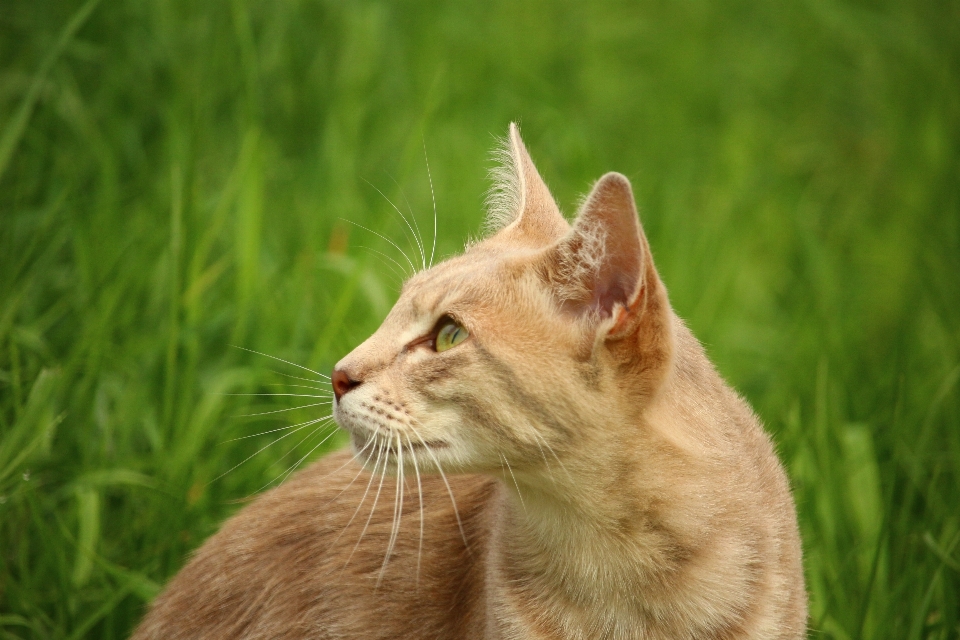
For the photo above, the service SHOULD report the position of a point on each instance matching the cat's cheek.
(434, 422)
(443, 424)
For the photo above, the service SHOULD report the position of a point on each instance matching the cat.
(540, 450)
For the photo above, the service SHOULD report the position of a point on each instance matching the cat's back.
(290, 566)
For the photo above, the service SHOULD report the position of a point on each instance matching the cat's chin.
(370, 446)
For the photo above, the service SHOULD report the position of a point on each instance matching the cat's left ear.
(603, 268)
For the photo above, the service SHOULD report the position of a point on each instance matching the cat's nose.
(342, 382)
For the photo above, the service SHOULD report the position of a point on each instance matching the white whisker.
(287, 375)
(555, 456)
(258, 451)
(443, 476)
(402, 275)
(373, 474)
(300, 461)
(433, 249)
(290, 426)
(412, 216)
(313, 432)
(295, 395)
(416, 238)
(266, 413)
(302, 386)
(545, 461)
(405, 256)
(397, 511)
(353, 458)
(292, 364)
(373, 509)
(416, 468)
(509, 468)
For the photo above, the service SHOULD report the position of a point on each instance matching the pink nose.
(342, 383)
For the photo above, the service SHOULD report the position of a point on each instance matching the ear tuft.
(505, 198)
(519, 204)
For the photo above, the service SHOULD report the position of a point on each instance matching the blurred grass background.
(172, 178)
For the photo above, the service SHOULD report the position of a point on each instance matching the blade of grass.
(18, 124)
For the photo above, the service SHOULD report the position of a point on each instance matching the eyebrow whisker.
(433, 248)
(423, 258)
(380, 235)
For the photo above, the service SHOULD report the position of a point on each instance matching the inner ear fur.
(598, 269)
(603, 272)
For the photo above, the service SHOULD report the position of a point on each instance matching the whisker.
(373, 509)
(300, 461)
(292, 364)
(545, 461)
(397, 511)
(258, 451)
(266, 413)
(402, 275)
(555, 456)
(312, 433)
(295, 395)
(412, 216)
(416, 468)
(290, 426)
(443, 477)
(287, 375)
(405, 257)
(433, 249)
(395, 208)
(353, 458)
(519, 494)
(373, 474)
(402, 488)
(396, 278)
(303, 386)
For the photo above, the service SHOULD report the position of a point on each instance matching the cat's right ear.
(520, 206)
(602, 274)
(603, 268)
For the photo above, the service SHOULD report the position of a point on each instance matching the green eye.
(450, 335)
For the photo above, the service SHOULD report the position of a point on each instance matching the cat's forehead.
(438, 286)
(457, 284)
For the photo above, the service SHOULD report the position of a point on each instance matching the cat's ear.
(603, 268)
(520, 207)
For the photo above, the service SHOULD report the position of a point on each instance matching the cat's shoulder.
(293, 557)
(334, 501)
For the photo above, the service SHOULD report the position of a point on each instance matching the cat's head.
(534, 343)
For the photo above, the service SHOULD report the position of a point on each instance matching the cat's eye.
(449, 334)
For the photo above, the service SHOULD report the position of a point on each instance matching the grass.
(174, 180)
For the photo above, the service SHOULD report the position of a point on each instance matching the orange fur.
(607, 483)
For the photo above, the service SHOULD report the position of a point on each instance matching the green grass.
(172, 181)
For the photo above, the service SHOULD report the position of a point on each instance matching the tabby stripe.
(519, 397)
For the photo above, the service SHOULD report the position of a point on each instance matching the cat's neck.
(605, 529)
(562, 553)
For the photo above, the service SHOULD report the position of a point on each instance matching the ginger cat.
(600, 480)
